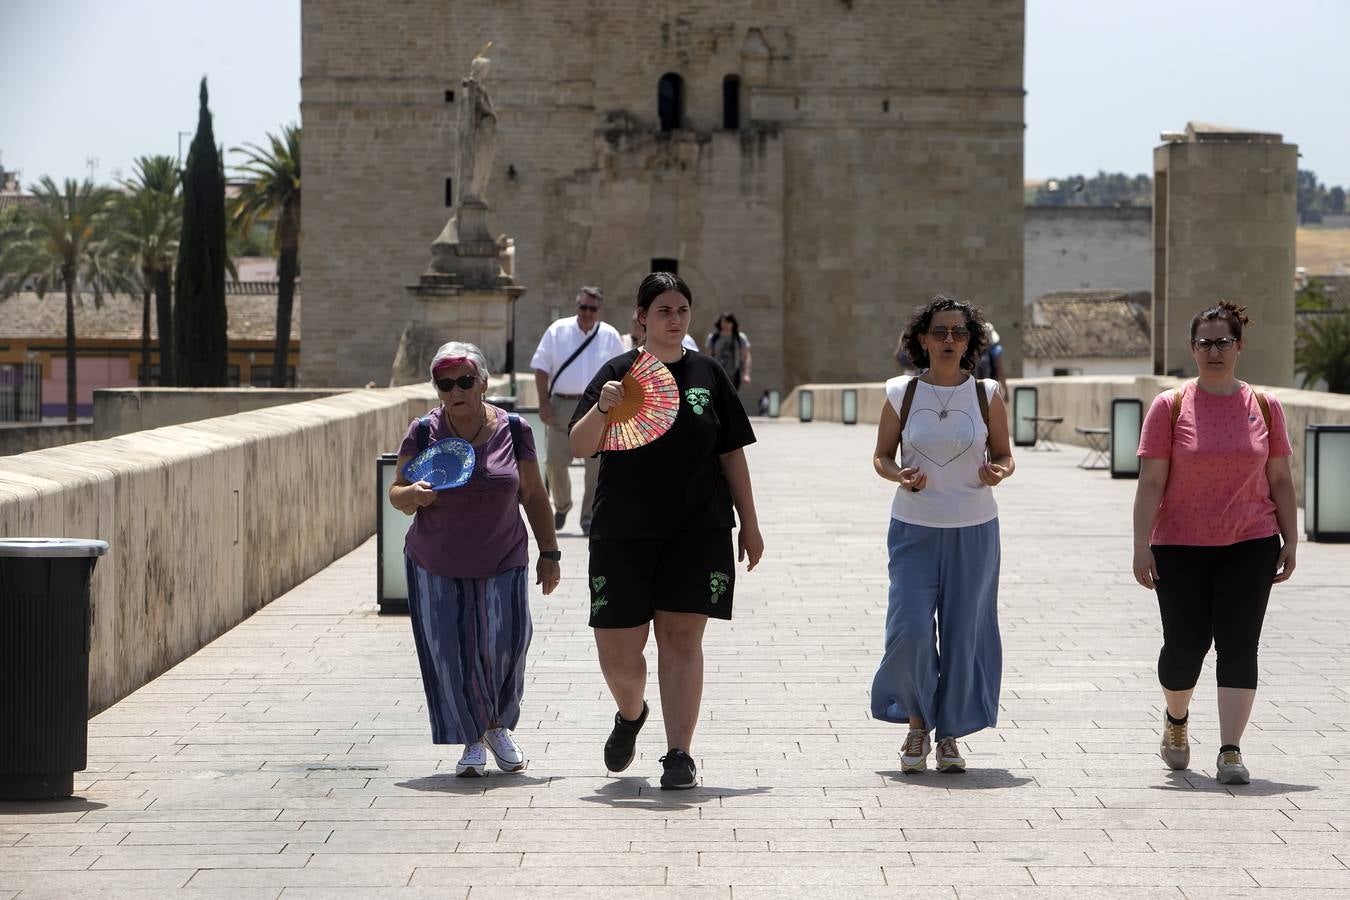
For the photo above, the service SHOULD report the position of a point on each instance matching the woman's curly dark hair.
(923, 316)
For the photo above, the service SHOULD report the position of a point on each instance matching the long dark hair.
(656, 284)
(923, 317)
(735, 327)
(1223, 311)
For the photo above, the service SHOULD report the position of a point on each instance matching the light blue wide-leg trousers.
(943, 659)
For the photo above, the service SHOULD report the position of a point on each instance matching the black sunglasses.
(444, 385)
(940, 332)
(587, 307)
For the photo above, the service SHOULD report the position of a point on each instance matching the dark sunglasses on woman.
(444, 385)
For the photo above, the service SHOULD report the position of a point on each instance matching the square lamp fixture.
(1127, 419)
(849, 406)
(775, 403)
(391, 527)
(1024, 406)
(1326, 483)
(806, 405)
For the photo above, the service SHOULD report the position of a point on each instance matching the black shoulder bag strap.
(513, 421)
(424, 431)
(563, 368)
(906, 403)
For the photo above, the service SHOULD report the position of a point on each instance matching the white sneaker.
(505, 750)
(914, 752)
(473, 764)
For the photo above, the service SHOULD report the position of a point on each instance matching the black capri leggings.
(1216, 594)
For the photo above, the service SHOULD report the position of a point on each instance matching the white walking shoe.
(505, 750)
(914, 752)
(473, 764)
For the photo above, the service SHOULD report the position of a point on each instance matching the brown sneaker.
(914, 752)
(1176, 745)
(949, 757)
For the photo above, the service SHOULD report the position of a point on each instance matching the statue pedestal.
(445, 310)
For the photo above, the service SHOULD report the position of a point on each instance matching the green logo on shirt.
(718, 584)
(698, 399)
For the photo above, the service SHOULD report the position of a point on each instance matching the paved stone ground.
(291, 757)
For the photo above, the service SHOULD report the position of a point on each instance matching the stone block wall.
(1224, 229)
(206, 522)
(879, 160)
(1070, 248)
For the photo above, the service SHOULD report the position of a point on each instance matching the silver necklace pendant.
(942, 415)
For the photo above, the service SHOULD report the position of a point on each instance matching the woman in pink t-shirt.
(1214, 498)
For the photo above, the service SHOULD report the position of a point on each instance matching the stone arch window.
(670, 102)
(731, 102)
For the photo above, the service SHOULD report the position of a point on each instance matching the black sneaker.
(558, 519)
(622, 744)
(680, 773)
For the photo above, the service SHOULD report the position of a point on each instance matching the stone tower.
(819, 167)
(1224, 219)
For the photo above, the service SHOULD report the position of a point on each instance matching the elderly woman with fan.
(464, 468)
(670, 431)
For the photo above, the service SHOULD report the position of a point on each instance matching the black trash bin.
(45, 625)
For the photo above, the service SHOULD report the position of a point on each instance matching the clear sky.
(117, 79)
(1105, 77)
(114, 79)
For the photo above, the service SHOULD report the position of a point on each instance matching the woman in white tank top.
(951, 432)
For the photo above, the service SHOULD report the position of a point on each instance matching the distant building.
(1094, 332)
(108, 347)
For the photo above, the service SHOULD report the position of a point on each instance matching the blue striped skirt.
(471, 635)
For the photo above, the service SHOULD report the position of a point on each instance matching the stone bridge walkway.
(291, 757)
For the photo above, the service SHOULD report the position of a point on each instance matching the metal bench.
(1096, 440)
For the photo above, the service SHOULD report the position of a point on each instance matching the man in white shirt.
(571, 351)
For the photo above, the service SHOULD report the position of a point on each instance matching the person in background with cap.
(990, 364)
(571, 351)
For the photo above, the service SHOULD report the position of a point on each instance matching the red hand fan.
(651, 401)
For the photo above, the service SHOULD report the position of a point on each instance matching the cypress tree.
(199, 314)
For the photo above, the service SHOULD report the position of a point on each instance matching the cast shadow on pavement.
(1191, 781)
(970, 780)
(636, 792)
(448, 783)
(74, 803)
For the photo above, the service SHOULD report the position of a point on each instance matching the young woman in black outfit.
(660, 542)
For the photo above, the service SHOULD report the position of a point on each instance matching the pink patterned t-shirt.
(1217, 493)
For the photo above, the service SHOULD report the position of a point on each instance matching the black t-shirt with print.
(675, 483)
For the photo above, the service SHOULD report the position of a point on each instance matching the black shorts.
(690, 572)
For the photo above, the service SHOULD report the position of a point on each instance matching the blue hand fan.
(446, 464)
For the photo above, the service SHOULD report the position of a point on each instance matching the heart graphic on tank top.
(941, 440)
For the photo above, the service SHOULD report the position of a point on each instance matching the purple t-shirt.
(474, 531)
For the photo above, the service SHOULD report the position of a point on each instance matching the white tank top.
(949, 449)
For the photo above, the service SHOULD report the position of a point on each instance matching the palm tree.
(273, 192)
(1323, 352)
(149, 220)
(54, 242)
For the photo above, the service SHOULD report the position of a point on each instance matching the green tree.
(1323, 352)
(200, 316)
(271, 193)
(1336, 200)
(1311, 195)
(149, 222)
(1102, 189)
(56, 241)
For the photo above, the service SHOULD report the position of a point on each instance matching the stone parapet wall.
(124, 410)
(1085, 401)
(26, 437)
(206, 522)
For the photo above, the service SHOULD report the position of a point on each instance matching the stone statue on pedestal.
(465, 293)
